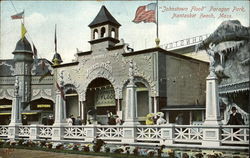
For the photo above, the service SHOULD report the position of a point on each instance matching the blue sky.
(72, 19)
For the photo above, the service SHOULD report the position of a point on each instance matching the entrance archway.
(100, 96)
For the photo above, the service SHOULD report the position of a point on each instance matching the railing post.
(167, 133)
(34, 132)
(13, 131)
(129, 133)
(211, 136)
(90, 133)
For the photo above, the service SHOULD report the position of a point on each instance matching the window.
(113, 32)
(103, 32)
(95, 34)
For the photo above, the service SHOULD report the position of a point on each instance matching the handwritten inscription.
(202, 11)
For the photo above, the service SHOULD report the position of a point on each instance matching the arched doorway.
(72, 102)
(101, 97)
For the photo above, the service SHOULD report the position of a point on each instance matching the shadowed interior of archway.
(100, 97)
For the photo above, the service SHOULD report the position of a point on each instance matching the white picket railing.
(188, 134)
(74, 132)
(24, 131)
(108, 132)
(45, 131)
(150, 134)
(235, 135)
(4, 130)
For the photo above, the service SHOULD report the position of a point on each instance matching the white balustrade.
(4, 131)
(24, 131)
(188, 134)
(235, 134)
(110, 132)
(74, 132)
(149, 133)
(45, 131)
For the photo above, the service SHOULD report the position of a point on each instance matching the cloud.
(35, 20)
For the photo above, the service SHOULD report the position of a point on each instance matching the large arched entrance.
(100, 96)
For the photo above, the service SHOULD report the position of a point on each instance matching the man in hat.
(235, 118)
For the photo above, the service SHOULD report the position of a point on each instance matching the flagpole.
(157, 30)
(157, 40)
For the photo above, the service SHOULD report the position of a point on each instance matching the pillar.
(212, 133)
(212, 102)
(131, 105)
(60, 114)
(131, 108)
(16, 118)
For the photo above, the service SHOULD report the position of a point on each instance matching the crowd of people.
(151, 119)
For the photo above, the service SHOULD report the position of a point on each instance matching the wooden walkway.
(22, 153)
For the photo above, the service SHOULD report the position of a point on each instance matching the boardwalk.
(21, 153)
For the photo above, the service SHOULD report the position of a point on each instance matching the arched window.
(113, 32)
(95, 34)
(103, 32)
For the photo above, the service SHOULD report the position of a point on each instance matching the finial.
(157, 41)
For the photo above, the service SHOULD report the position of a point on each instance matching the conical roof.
(58, 57)
(104, 17)
(23, 45)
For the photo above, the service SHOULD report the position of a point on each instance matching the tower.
(23, 57)
(104, 30)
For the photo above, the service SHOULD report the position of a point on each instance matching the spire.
(104, 17)
(57, 60)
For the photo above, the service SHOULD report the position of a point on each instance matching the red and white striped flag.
(17, 16)
(145, 13)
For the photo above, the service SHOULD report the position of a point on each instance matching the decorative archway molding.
(100, 72)
(140, 79)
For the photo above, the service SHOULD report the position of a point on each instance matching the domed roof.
(23, 45)
(58, 57)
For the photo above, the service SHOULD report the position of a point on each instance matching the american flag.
(145, 13)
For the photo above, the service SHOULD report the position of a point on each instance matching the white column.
(131, 105)
(212, 132)
(16, 119)
(131, 109)
(212, 102)
(60, 117)
(60, 112)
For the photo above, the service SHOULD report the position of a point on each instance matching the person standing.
(179, 119)
(235, 118)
